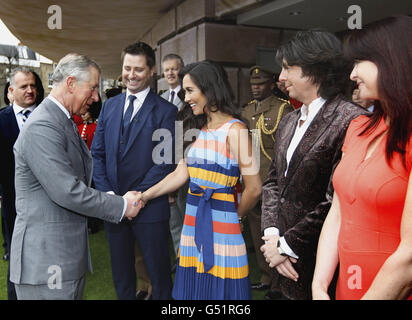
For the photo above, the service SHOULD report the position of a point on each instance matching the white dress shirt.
(19, 115)
(138, 102)
(308, 113)
(176, 90)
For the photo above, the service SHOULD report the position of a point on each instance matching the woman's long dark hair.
(213, 82)
(387, 43)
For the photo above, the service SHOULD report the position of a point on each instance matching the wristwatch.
(281, 251)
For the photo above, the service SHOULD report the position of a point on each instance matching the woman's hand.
(318, 293)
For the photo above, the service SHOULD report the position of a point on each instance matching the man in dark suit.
(297, 193)
(128, 156)
(23, 89)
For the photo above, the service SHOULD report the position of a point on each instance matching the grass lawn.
(99, 285)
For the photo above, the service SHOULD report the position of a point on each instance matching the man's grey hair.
(75, 65)
(22, 69)
(172, 56)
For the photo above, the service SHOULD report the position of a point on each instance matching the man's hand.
(287, 270)
(133, 204)
(270, 251)
(283, 264)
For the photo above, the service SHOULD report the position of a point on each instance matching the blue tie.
(172, 96)
(25, 114)
(128, 114)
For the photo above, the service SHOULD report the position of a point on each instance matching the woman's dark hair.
(319, 54)
(39, 87)
(213, 82)
(6, 90)
(95, 108)
(387, 43)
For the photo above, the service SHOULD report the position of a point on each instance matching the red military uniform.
(86, 130)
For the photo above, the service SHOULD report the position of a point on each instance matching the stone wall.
(206, 29)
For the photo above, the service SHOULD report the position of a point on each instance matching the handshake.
(135, 203)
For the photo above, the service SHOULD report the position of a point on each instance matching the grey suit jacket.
(176, 100)
(53, 198)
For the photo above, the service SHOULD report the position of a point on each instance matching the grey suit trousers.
(69, 290)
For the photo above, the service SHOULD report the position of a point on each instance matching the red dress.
(372, 196)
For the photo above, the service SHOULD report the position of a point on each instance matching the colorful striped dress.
(212, 260)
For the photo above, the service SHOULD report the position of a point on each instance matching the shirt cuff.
(271, 231)
(124, 206)
(285, 247)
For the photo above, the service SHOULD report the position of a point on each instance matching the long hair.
(387, 43)
(213, 82)
(320, 55)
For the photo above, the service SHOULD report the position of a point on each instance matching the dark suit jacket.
(134, 168)
(9, 131)
(298, 203)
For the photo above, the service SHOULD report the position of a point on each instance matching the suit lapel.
(113, 123)
(87, 160)
(315, 130)
(139, 120)
(14, 127)
(286, 139)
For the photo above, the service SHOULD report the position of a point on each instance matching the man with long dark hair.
(297, 193)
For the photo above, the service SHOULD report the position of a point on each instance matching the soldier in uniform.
(263, 114)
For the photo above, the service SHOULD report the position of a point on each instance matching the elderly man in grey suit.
(172, 64)
(49, 251)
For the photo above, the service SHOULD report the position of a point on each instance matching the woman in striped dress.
(212, 260)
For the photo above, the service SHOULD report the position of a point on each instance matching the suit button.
(282, 200)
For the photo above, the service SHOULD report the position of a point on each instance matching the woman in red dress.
(368, 230)
(89, 122)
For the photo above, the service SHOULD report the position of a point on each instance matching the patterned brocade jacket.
(298, 204)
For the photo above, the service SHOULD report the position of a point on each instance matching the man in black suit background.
(24, 91)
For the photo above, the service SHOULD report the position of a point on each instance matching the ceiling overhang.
(330, 15)
(99, 29)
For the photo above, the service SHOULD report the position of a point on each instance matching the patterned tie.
(25, 114)
(128, 114)
(172, 96)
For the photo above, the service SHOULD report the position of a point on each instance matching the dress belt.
(204, 224)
